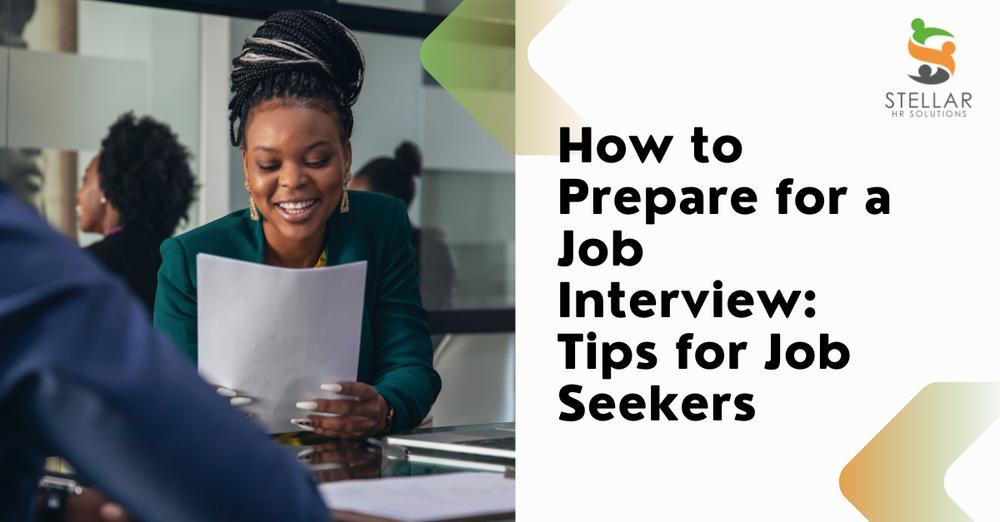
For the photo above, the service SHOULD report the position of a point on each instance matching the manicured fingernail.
(306, 454)
(304, 424)
(240, 401)
(306, 405)
(335, 388)
(225, 392)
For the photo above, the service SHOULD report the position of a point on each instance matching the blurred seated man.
(84, 375)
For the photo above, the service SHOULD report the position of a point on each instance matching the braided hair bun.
(306, 55)
(394, 176)
(408, 159)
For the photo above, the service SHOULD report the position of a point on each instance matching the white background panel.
(911, 293)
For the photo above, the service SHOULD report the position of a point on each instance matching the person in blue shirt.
(84, 375)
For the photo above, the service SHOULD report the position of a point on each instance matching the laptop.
(495, 440)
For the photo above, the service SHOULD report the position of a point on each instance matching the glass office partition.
(76, 66)
(473, 213)
(21, 165)
(6, 40)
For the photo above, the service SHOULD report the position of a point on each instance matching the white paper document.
(276, 334)
(424, 498)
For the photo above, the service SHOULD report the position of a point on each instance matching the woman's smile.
(297, 210)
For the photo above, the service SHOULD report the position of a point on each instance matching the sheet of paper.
(277, 334)
(423, 498)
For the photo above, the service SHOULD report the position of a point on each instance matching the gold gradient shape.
(899, 475)
(540, 110)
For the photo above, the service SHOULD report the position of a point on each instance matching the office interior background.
(69, 68)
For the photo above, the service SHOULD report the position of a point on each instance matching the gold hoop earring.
(345, 203)
(254, 216)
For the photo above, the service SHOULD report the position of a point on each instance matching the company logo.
(934, 50)
(938, 63)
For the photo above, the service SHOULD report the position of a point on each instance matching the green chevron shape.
(471, 54)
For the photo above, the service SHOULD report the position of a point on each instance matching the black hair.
(303, 55)
(394, 176)
(144, 173)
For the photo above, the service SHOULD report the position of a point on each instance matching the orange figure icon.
(943, 57)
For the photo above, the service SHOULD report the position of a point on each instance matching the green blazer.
(396, 353)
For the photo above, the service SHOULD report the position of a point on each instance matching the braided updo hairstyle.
(303, 55)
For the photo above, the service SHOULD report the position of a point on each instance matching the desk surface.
(341, 460)
(332, 460)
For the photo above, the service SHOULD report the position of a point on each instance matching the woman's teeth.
(296, 207)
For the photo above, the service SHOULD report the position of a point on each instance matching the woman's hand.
(362, 413)
(236, 398)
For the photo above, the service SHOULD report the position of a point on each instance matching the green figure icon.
(921, 33)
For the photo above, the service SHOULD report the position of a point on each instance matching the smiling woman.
(293, 87)
(296, 167)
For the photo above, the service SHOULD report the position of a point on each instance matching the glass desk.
(332, 460)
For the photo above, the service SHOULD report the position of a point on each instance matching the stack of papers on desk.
(426, 498)
(276, 334)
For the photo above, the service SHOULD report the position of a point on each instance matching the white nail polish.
(225, 392)
(307, 453)
(335, 388)
(304, 424)
(306, 405)
(240, 401)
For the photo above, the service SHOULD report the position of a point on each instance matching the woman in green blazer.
(293, 87)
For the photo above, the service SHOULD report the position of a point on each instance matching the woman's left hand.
(362, 414)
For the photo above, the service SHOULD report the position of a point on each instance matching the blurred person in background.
(135, 193)
(20, 167)
(15, 15)
(21, 170)
(396, 177)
